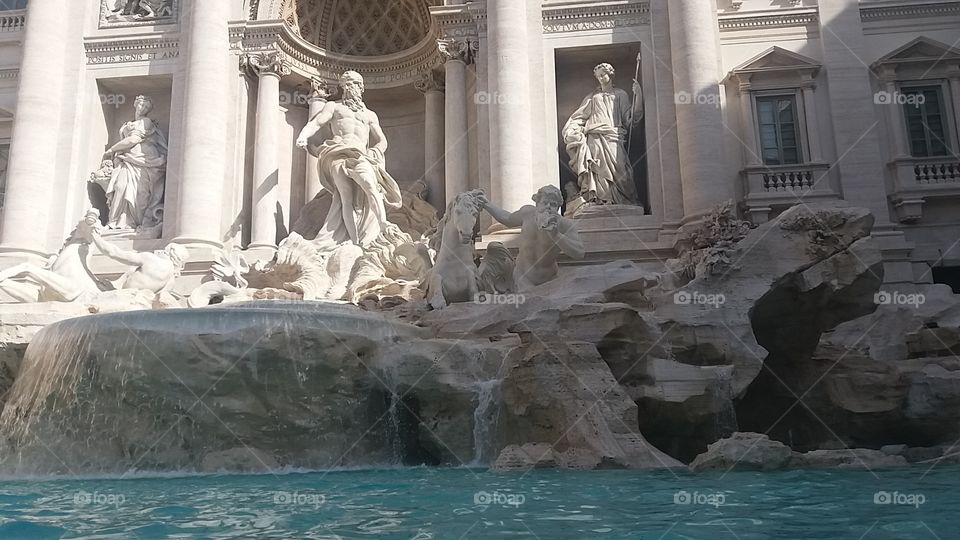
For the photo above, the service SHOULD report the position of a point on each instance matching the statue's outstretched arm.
(131, 258)
(509, 219)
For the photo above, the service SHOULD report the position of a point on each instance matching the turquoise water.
(423, 504)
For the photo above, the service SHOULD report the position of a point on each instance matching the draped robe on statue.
(368, 178)
(135, 191)
(595, 137)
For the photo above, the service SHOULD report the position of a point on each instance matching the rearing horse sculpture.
(453, 278)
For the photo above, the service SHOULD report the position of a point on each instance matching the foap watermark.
(898, 98)
(495, 98)
(296, 498)
(499, 299)
(900, 499)
(113, 100)
(498, 498)
(694, 298)
(293, 98)
(688, 98)
(684, 497)
(96, 498)
(895, 298)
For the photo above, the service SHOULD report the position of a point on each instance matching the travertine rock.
(854, 458)
(563, 395)
(890, 377)
(744, 451)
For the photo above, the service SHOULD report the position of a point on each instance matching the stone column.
(431, 85)
(509, 102)
(318, 98)
(483, 121)
(456, 53)
(32, 166)
(749, 125)
(895, 119)
(694, 37)
(813, 120)
(269, 68)
(208, 79)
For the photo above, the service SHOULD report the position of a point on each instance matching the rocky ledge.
(781, 329)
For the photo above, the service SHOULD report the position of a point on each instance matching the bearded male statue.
(352, 167)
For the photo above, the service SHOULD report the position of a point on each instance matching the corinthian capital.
(266, 63)
(430, 81)
(456, 49)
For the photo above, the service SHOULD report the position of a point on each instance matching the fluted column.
(509, 102)
(208, 80)
(694, 39)
(32, 166)
(456, 53)
(318, 98)
(431, 85)
(269, 68)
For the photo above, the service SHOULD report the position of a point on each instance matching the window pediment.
(776, 66)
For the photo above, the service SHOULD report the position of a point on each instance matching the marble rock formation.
(744, 451)
(755, 451)
(563, 396)
(890, 377)
(686, 346)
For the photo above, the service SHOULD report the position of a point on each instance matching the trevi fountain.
(473, 269)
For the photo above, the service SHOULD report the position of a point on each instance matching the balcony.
(777, 187)
(918, 179)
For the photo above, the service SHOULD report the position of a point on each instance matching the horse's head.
(462, 216)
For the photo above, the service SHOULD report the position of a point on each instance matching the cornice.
(605, 16)
(912, 11)
(795, 18)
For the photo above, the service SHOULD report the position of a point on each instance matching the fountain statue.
(597, 136)
(544, 236)
(133, 174)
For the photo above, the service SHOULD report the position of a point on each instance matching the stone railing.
(770, 188)
(937, 173)
(12, 21)
(917, 179)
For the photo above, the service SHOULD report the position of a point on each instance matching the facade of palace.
(766, 103)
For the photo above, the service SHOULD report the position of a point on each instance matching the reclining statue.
(66, 277)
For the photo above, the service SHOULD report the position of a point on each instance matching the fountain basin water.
(240, 387)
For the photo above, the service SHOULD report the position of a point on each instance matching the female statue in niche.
(135, 189)
(596, 138)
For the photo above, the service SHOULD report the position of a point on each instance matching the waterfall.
(726, 415)
(484, 420)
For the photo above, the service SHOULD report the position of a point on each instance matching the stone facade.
(473, 95)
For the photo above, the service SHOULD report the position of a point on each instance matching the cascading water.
(726, 415)
(484, 421)
(169, 389)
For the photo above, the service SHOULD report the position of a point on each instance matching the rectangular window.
(779, 130)
(7, 5)
(926, 124)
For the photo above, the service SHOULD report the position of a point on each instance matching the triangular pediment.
(777, 59)
(921, 49)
